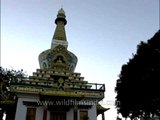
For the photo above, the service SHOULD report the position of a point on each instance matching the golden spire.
(60, 33)
(59, 36)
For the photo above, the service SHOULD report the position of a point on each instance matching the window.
(31, 114)
(83, 115)
(58, 115)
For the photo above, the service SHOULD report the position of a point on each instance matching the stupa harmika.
(55, 91)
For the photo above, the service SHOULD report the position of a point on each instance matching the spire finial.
(59, 36)
(61, 11)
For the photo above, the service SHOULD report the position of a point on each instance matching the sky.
(103, 34)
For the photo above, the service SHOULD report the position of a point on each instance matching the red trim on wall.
(45, 115)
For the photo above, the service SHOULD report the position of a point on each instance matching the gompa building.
(55, 91)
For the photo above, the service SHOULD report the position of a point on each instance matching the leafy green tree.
(7, 99)
(138, 84)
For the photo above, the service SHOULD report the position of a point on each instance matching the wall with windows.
(21, 111)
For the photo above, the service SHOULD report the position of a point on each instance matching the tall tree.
(138, 84)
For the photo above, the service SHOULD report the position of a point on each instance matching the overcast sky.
(102, 33)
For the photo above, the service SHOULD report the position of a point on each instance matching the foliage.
(9, 75)
(8, 99)
(138, 84)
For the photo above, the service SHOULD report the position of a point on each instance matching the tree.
(8, 100)
(138, 84)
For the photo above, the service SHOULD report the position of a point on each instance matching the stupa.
(55, 91)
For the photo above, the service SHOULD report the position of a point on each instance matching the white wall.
(48, 115)
(78, 114)
(70, 114)
(92, 113)
(39, 113)
(22, 109)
